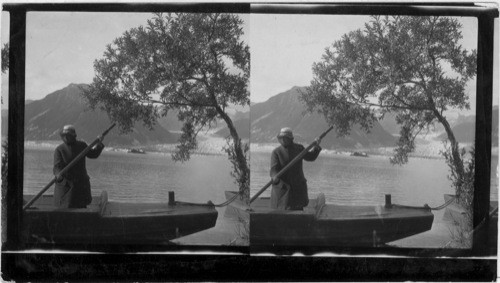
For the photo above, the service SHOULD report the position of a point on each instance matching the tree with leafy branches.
(412, 67)
(197, 64)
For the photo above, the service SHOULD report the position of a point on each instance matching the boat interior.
(318, 208)
(238, 209)
(102, 207)
(315, 206)
(46, 203)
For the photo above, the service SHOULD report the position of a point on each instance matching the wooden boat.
(322, 224)
(136, 150)
(359, 154)
(104, 222)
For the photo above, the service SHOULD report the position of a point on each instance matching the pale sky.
(62, 46)
(284, 47)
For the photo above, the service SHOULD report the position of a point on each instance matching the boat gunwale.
(160, 215)
(418, 212)
(316, 210)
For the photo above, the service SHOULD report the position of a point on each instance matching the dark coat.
(294, 177)
(280, 194)
(73, 191)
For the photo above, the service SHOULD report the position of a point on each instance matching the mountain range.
(285, 110)
(44, 118)
(464, 128)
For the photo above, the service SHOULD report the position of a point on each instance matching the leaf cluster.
(413, 67)
(195, 63)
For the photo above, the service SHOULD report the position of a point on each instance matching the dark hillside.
(285, 110)
(45, 117)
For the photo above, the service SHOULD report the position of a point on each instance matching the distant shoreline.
(203, 148)
(215, 147)
(430, 151)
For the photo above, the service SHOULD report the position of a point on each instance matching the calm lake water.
(358, 180)
(140, 177)
(343, 179)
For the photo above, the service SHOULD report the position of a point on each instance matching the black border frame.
(225, 266)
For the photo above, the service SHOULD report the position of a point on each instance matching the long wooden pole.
(65, 169)
(291, 163)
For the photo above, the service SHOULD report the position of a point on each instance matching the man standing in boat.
(290, 190)
(72, 189)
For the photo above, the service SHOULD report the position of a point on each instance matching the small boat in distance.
(359, 154)
(136, 150)
(321, 224)
(113, 223)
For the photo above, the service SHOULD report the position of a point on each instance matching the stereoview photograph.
(263, 130)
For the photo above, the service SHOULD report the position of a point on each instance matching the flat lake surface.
(365, 181)
(343, 179)
(129, 177)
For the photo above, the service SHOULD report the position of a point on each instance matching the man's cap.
(286, 132)
(68, 130)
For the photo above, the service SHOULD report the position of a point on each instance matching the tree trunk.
(455, 152)
(244, 171)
